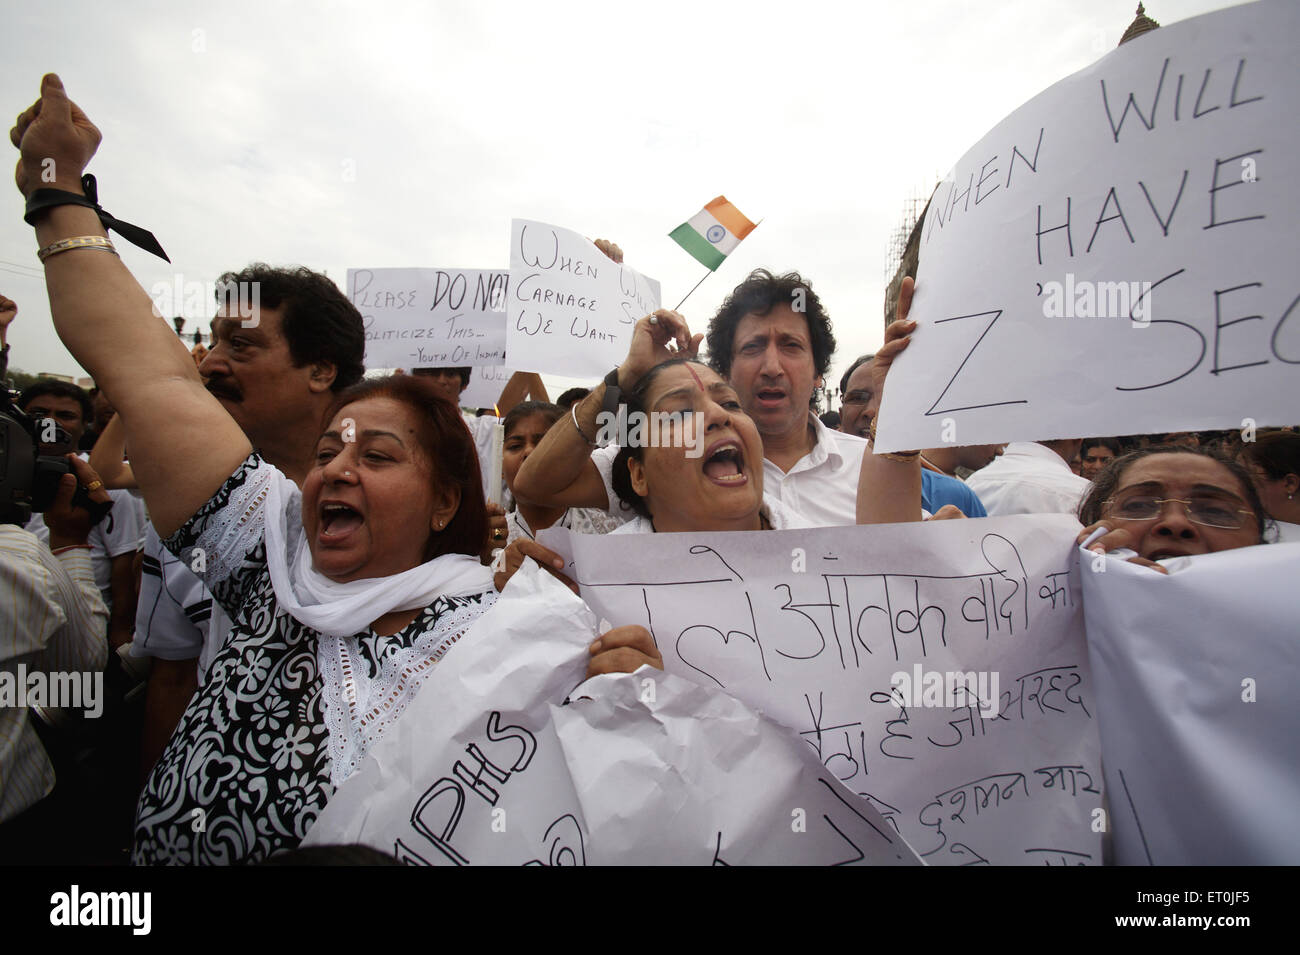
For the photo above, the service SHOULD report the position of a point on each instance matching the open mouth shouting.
(724, 463)
(338, 521)
(769, 397)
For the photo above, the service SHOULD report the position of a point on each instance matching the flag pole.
(688, 294)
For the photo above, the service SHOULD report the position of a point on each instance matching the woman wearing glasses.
(1172, 502)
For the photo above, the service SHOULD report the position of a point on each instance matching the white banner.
(485, 387)
(431, 318)
(571, 309)
(1195, 676)
(1118, 255)
(938, 670)
(487, 767)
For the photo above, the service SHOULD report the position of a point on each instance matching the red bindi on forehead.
(698, 383)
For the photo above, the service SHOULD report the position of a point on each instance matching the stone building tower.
(1141, 24)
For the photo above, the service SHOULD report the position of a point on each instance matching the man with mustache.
(284, 341)
(277, 359)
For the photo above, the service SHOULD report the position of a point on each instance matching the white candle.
(494, 467)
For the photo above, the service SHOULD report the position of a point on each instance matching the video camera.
(29, 480)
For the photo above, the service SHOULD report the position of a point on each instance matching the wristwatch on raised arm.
(613, 393)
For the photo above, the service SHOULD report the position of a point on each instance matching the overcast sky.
(339, 135)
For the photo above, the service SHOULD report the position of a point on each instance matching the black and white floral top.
(286, 713)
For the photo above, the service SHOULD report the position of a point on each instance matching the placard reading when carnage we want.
(571, 308)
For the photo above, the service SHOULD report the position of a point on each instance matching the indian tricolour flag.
(713, 232)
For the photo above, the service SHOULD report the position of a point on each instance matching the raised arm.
(183, 444)
(522, 384)
(889, 485)
(8, 311)
(560, 471)
(537, 388)
(108, 456)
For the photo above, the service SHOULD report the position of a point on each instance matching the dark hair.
(567, 399)
(1228, 441)
(59, 389)
(635, 401)
(448, 445)
(319, 323)
(464, 374)
(1276, 453)
(758, 295)
(526, 409)
(1090, 443)
(1105, 483)
(844, 381)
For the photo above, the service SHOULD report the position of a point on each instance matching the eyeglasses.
(1208, 512)
(856, 398)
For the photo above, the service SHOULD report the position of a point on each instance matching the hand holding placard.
(1117, 256)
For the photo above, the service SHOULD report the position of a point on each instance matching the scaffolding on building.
(913, 205)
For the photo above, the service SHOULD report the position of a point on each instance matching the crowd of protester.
(282, 525)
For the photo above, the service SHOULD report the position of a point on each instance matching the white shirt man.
(1030, 478)
(176, 617)
(52, 619)
(121, 532)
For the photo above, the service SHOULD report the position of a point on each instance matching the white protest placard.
(864, 641)
(487, 767)
(431, 318)
(1195, 677)
(1118, 256)
(571, 309)
(485, 387)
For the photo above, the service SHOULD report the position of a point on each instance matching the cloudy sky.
(343, 134)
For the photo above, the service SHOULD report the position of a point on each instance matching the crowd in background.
(287, 536)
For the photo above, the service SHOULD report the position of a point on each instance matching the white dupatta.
(359, 707)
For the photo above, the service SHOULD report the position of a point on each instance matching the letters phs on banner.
(1118, 255)
(571, 308)
(938, 670)
(431, 318)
